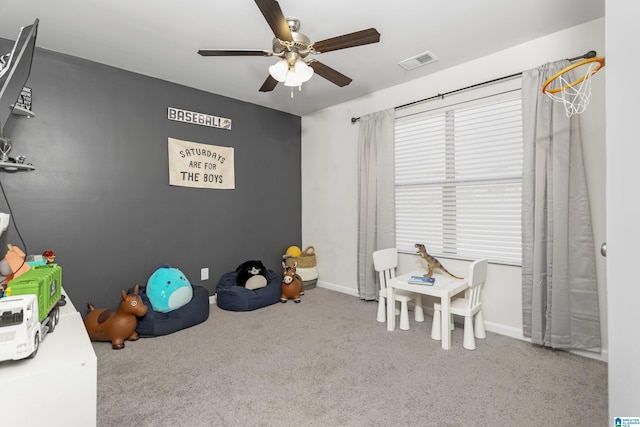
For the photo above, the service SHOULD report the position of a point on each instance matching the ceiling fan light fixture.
(303, 70)
(279, 70)
(292, 79)
(298, 74)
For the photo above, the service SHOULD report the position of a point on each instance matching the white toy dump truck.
(30, 312)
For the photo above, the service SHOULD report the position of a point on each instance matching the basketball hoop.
(574, 95)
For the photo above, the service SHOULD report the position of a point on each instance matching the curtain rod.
(590, 54)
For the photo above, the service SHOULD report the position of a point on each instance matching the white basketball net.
(575, 98)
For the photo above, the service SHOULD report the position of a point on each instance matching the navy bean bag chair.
(232, 297)
(156, 323)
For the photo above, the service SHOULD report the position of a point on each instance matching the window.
(459, 179)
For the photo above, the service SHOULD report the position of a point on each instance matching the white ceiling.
(161, 38)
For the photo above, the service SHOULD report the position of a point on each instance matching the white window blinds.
(458, 180)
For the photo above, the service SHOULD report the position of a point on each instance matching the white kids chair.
(385, 262)
(470, 307)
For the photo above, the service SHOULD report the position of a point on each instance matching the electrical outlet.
(204, 274)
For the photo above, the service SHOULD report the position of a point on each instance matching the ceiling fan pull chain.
(299, 90)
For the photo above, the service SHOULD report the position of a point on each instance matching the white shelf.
(11, 167)
(65, 373)
(18, 111)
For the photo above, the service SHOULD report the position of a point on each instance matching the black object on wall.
(100, 196)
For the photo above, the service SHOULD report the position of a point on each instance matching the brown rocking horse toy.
(291, 284)
(107, 325)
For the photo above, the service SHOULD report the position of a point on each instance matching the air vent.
(418, 61)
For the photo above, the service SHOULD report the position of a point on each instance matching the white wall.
(623, 232)
(329, 170)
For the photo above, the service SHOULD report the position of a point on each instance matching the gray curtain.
(559, 290)
(376, 204)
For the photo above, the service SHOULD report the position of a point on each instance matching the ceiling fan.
(293, 48)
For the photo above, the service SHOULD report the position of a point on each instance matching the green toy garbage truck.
(30, 312)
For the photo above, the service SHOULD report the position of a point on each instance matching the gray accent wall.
(100, 196)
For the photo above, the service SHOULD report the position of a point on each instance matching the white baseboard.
(338, 288)
(509, 331)
(212, 299)
(603, 356)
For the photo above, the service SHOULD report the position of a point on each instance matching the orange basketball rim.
(599, 63)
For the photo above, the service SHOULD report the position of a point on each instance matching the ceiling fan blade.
(275, 18)
(358, 38)
(330, 74)
(239, 52)
(268, 84)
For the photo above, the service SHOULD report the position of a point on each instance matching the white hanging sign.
(201, 119)
(200, 165)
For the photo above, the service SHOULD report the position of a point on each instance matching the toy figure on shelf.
(107, 325)
(12, 266)
(49, 256)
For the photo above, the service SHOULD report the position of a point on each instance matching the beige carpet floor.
(327, 362)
